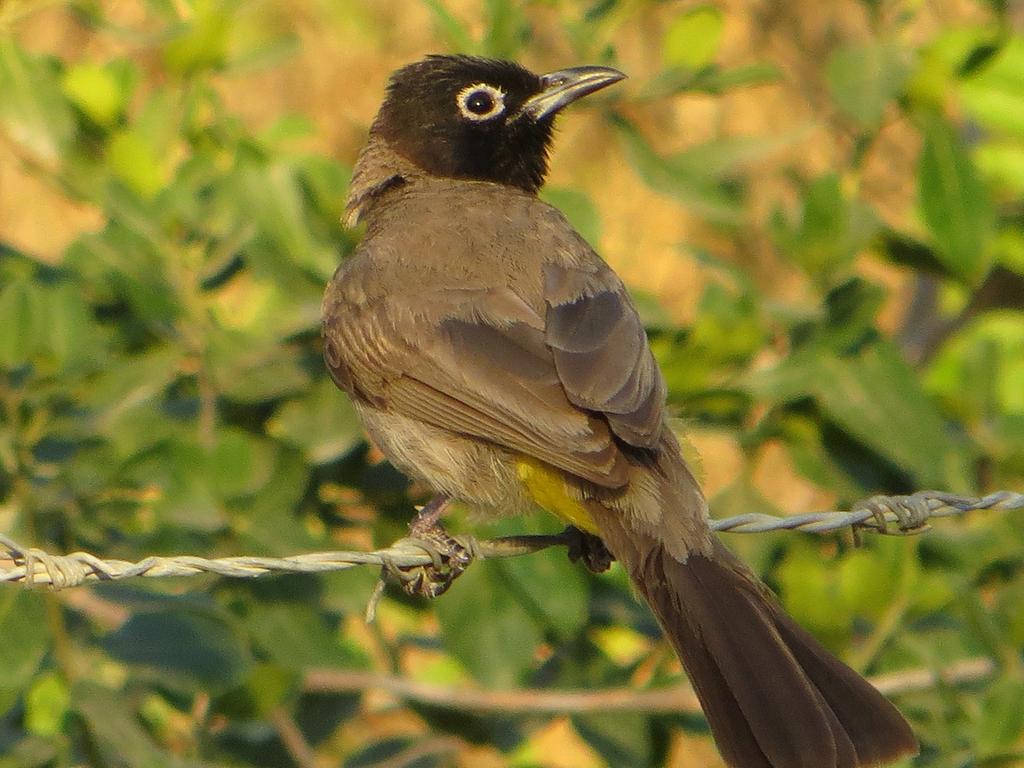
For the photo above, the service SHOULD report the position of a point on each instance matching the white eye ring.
(472, 97)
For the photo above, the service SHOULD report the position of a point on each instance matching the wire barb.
(893, 515)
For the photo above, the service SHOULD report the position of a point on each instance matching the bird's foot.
(589, 549)
(449, 557)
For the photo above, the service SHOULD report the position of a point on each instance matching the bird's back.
(449, 236)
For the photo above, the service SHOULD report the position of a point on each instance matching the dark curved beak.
(564, 86)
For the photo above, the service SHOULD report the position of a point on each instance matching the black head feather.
(472, 118)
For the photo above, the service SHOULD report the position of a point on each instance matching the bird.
(494, 356)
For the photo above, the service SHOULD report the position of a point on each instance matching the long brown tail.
(774, 697)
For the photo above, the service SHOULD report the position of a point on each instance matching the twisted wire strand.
(893, 515)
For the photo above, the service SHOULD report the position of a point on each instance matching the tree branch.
(674, 699)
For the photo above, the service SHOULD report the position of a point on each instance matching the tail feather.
(878, 731)
(773, 696)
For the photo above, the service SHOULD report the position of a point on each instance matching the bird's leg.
(588, 548)
(450, 557)
(429, 515)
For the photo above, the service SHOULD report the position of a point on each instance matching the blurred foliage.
(161, 387)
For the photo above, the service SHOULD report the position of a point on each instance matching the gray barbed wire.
(894, 515)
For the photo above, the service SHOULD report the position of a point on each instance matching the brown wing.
(600, 351)
(470, 376)
(563, 389)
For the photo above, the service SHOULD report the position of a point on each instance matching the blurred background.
(818, 207)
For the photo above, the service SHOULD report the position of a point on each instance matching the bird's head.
(471, 118)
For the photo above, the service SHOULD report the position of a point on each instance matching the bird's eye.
(480, 102)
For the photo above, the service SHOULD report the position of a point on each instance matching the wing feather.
(601, 353)
(498, 384)
(557, 369)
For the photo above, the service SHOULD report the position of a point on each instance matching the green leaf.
(869, 579)
(29, 752)
(240, 463)
(703, 194)
(97, 91)
(122, 264)
(688, 370)
(269, 687)
(273, 523)
(391, 751)
(979, 373)
(830, 230)
(486, 628)
(258, 44)
(159, 125)
(33, 109)
(135, 162)
(1003, 723)
(710, 79)
(456, 33)
(296, 636)
(809, 590)
(865, 78)
(907, 251)
(323, 423)
(255, 373)
(621, 738)
(327, 182)
(507, 29)
(850, 311)
(652, 312)
(185, 649)
(25, 641)
(202, 43)
(876, 398)
(271, 196)
(728, 326)
(992, 95)
(119, 395)
(827, 596)
(727, 331)
(47, 323)
(187, 496)
(954, 203)
(71, 336)
(693, 38)
(46, 705)
(21, 317)
(264, 312)
(578, 208)
(728, 157)
(715, 81)
(548, 585)
(940, 62)
(807, 447)
(1003, 164)
(114, 729)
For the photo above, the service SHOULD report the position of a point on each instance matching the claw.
(449, 557)
(589, 549)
